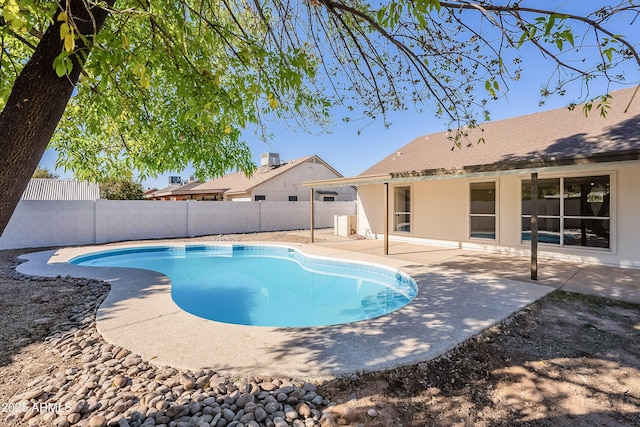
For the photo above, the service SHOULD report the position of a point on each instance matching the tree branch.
(420, 68)
(517, 8)
(24, 41)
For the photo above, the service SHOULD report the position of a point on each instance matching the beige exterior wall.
(627, 209)
(289, 183)
(435, 215)
(440, 210)
(371, 210)
(440, 214)
(244, 197)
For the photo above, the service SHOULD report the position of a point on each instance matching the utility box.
(345, 225)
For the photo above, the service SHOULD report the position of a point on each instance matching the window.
(586, 211)
(402, 209)
(328, 199)
(293, 198)
(259, 198)
(548, 210)
(482, 210)
(572, 211)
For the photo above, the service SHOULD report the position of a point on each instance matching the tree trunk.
(36, 104)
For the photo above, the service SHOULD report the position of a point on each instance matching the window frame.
(494, 215)
(397, 213)
(562, 217)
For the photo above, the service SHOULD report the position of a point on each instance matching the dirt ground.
(567, 360)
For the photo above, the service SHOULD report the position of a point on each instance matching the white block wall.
(222, 217)
(50, 223)
(291, 215)
(118, 220)
(66, 223)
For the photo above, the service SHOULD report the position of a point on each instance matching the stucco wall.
(627, 211)
(437, 209)
(61, 223)
(370, 210)
(289, 183)
(440, 209)
(440, 214)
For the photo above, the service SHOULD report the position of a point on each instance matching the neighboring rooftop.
(238, 182)
(60, 189)
(554, 137)
(174, 189)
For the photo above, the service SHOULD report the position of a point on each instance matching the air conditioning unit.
(270, 159)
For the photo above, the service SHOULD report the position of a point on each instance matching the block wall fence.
(66, 223)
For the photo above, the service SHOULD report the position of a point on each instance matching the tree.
(44, 173)
(121, 189)
(162, 83)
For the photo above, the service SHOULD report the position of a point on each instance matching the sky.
(353, 147)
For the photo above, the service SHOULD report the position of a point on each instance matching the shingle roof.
(238, 182)
(174, 190)
(60, 189)
(549, 137)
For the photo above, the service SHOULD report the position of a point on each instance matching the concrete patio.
(460, 293)
(622, 284)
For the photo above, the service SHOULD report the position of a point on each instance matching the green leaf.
(608, 53)
(568, 36)
(209, 72)
(524, 37)
(549, 25)
(62, 64)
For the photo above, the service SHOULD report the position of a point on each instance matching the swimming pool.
(262, 285)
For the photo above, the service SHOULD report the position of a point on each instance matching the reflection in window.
(583, 217)
(548, 210)
(586, 211)
(482, 210)
(402, 209)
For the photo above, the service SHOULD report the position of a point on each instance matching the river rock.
(244, 399)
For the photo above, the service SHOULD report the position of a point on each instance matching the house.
(60, 189)
(586, 170)
(176, 190)
(149, 192)
(273, 180)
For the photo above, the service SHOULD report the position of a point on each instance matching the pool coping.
(139, 314)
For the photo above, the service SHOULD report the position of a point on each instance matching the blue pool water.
(266, 285)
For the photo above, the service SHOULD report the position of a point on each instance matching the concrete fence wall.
(61, 223)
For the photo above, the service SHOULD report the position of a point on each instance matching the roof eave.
(346, 182)
(497, 168)
(619, 156)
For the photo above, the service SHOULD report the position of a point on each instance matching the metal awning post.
(534, 226)
(311, 215)
(386, 218)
